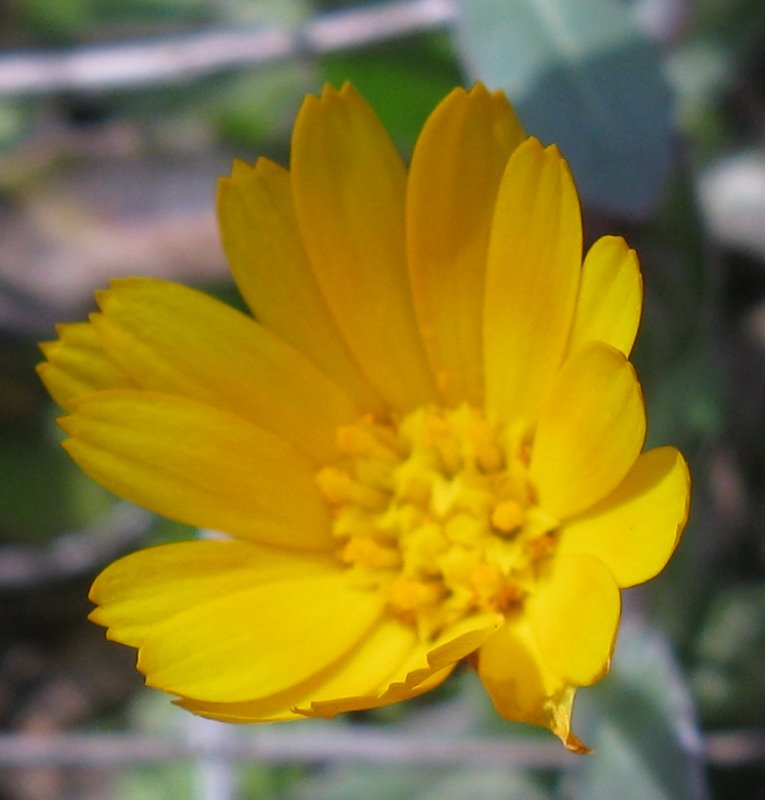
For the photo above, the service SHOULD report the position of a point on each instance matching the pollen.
(437, 512)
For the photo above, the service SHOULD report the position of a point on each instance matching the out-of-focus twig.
(185, 57)
(73, 554)
(270, 745)
(344, 745)
(214, 775)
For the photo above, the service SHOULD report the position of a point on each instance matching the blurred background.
(116, 117)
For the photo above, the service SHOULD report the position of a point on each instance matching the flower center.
(438, 513)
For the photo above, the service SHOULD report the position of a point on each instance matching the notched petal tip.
(331, 94)
(528, 311)
(241, 169)
(41, 370)
(68, 425)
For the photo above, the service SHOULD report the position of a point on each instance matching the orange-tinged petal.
(145, 588)
(259, 641)
(170, 338)
(610, 296)
(269, 264)
(76, 364)
(349, 184)
(199, 465)
(453, 180)
(521, 685)
(532, 277)
(359, 673)
(635, 529)
(590, 431)
(574, 614)
(427, 665)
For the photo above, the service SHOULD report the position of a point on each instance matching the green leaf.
(584, 76)
(42, 491)
(641, 725)
(729, 679)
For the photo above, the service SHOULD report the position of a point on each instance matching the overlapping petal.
(77, 364)
(590, 432)
(349, 187)
(453, 181)
(573, 615)
(522, 686)
(358, 673)
(145, 588)
(264, 248)
(199, 465)
(388, 666)
(214, 652)
(532, 278)
(151, 328)
(636, 528)
(610, 296)
(427, 664)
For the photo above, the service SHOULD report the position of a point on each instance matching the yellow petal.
(146, 588)
(427, 665)
(396, 693)
(258, 641)
(610, 296)
(77, 364)
(522, 687)
(349, 185)
(574, 614)
(263, 246)
(532, 277)
(198, 465)
(359, 673)
(590, 431)
(170, 338)
(277, 708)
(635, 529)
(456, 168)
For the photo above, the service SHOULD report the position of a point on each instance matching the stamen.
(368, 552)
(339, 488)
(438, 513)
(508, 516)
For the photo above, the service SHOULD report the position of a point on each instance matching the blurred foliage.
(646, 692)
(424, 64)
(643, 118)
(728, 675)
(584, 76)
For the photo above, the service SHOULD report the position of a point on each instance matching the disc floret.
(438, 513)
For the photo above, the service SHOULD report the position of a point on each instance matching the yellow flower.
(426, 447)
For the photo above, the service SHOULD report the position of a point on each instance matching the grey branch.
(187, 57)
(279, 746)
(76, 553)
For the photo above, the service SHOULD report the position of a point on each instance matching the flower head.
(424, 446)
